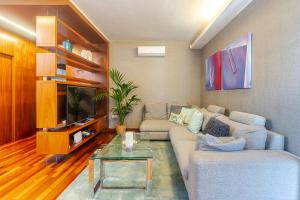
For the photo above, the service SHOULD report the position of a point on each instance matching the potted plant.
(123, 99)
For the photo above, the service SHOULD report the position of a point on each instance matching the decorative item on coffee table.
(122, 97)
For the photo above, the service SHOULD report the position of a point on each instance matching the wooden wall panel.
(23, 81)
(5, 98)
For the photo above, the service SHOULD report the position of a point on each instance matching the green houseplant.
(123, 99)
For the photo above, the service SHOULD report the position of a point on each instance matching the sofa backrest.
(247, 118)
(240, 121)
(157, 110)
(216, 109)
(275, 141)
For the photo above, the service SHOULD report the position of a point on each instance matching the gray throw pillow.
(216, 128)
(176, 109)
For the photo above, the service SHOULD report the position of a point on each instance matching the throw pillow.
(196, 122)
(187, 113)
(176, 118)
(211, 143)
(216, 128)
(177, 108)
(207, 115)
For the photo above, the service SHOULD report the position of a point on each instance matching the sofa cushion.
(180, 133)
(182, 150)
(275, 141)
(156, 125)
(157, 135)
(216, 128)
(156, 111)
(255, 135)
(216, 109)
(247, 118)
(255, 139)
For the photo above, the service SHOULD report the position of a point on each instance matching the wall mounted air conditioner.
(151, 51)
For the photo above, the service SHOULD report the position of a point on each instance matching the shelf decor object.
(61, 65)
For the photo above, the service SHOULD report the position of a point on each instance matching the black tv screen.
(81, 104)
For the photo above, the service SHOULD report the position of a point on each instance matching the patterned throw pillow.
(216, 128)
(176, 118)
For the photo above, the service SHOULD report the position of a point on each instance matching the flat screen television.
(81, 104)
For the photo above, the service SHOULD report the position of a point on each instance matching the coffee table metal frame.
(98, 184)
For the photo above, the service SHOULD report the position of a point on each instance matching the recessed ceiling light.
(210, 8)
(18, 26)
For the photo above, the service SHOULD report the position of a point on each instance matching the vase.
(120, 129)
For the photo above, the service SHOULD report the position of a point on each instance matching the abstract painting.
(236, 64)
(214, 72)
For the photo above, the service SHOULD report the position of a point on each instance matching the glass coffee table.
(114, 152)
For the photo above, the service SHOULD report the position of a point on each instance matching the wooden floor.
(26, 175)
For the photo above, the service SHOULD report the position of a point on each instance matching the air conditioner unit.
(151, 51)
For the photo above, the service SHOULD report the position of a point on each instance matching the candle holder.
(128, 141)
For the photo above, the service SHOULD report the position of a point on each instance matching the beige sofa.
(267, 174)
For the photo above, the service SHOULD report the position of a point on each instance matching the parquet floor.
(24, 174)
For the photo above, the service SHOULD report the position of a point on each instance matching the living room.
(150, 99)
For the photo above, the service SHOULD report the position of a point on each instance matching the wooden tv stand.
(61, 141)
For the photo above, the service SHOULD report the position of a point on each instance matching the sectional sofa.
(266, 173)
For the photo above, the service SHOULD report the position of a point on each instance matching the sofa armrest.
(243, 175)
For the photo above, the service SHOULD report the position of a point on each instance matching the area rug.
(167, 180)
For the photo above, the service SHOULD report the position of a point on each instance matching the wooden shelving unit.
(56, 69)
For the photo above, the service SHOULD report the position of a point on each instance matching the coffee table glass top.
(115, 151)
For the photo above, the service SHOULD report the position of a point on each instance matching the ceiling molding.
(221, 20)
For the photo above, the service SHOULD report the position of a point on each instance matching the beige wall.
(173, 78)
(276, 66)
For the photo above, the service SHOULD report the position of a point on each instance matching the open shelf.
(67, 32)
(61, 59)
(84, 140)
(67, 57)
(75, 128)
(49, 140)
(99, 85)
(80, 80)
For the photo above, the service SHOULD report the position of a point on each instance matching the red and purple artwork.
(236, 64)
(214, 72)
(230, 68)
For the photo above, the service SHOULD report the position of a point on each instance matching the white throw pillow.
(187, 113)
(196, 122)
(176, 118)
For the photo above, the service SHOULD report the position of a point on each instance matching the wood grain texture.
(46, 64)
(61, 141)
(46, 29)
(24, 174)
(23, 79)
(46, 104)
(5, 99)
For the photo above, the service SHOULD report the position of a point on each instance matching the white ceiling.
(147, 19)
